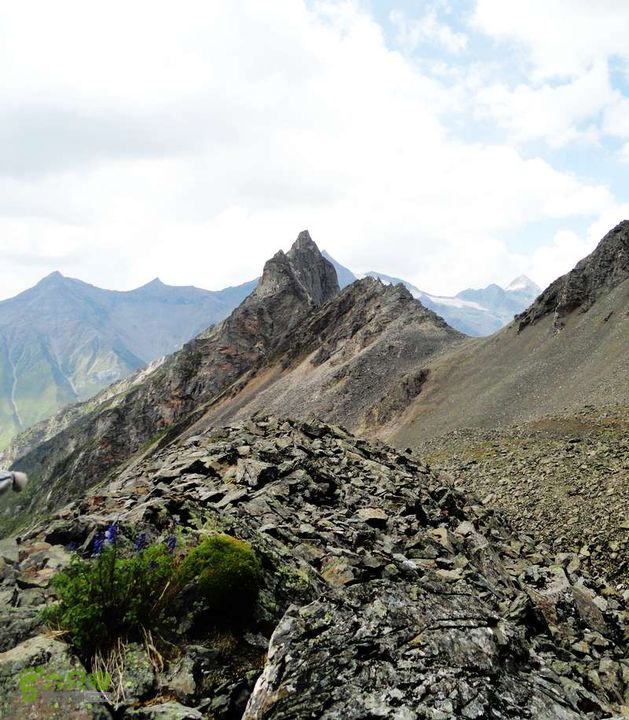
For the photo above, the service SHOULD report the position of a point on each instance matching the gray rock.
(164, 711)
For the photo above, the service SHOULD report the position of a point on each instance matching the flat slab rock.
(392, 650)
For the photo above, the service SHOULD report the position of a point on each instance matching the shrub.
(227, 574)
(108, 597)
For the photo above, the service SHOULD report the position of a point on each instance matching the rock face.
(386, 593)
(115, 426)
(605, 268)
(313, 270)
(356, 361)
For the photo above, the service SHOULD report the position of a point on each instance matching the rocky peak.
(523, 283)
(358, 360)
(316, 274)
(595, 275)
(302, 270)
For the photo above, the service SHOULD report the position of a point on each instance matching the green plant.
(226, 573)
(109, 597)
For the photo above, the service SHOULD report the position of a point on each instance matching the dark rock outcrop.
(603, 269)
(386, 593)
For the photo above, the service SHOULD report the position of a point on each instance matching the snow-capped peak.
(522, 283)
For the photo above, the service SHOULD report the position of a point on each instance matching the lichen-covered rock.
(165, 711)
(39, 678)
(138, 674)
(385, 592)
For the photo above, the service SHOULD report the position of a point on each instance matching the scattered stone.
(386, 593)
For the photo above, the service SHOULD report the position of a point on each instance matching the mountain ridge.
(475, 312)
(529, 368)
(63, 340)
(353, 361)
(135, 413)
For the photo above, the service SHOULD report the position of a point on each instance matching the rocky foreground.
(386, 593)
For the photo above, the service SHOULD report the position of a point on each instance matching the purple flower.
(171, 543)
(141, 542)
(111, 534)
(99, 541)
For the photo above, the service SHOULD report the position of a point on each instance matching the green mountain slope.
(64, 340)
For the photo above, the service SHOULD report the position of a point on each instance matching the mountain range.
(389, 590)
(370, 357)
(63, 341)
(473, 312)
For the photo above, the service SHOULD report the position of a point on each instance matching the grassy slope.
(513, 377)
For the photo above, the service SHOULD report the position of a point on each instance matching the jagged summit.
(302, 271)
(599, 272)
(316, 274)
(357, 360)
(304, 241)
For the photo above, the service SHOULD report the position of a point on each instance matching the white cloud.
(568, 247)
(616, 119)
(558, 114)
(558, 257)
(190, 143)
(624, 153)
(413, 32)
(564, 37)
(562, 50)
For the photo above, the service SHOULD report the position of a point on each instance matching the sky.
(453, 143)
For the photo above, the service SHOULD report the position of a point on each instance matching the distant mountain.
(475, 312)
(344, 275)
(64, 340)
